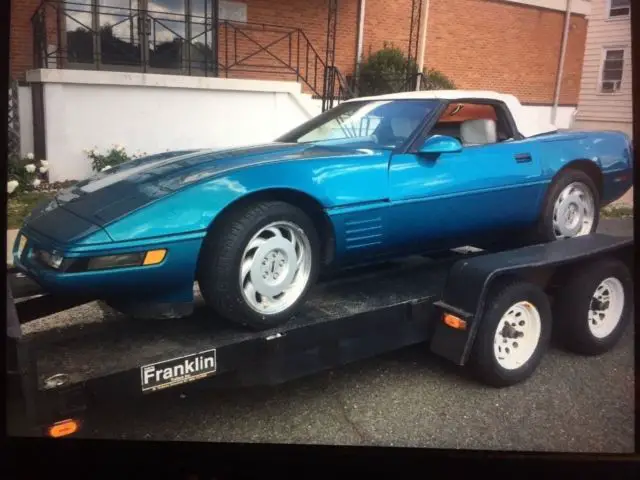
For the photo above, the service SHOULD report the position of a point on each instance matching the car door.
(482, 188)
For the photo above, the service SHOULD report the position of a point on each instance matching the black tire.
(543, 231)
(574, 299)
(483, 361)
(220, 258)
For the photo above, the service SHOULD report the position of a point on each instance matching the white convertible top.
(528, 125)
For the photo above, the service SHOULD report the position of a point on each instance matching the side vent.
(363, 232)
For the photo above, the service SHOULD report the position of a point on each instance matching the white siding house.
(605, 90)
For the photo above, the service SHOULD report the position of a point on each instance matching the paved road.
(409, 398)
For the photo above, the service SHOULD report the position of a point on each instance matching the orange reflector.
(454, 322)
(63, 428)
(154, 257)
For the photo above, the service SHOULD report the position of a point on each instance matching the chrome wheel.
(574, 211)
(605, 310)
(517, 335)
(275, 267)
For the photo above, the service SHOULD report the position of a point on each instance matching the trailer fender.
(470, 280)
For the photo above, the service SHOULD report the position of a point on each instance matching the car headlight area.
(56, 261)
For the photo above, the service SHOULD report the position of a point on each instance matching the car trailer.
(469, 307)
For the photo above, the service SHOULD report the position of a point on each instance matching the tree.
(389, 71)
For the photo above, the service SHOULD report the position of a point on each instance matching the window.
(495, 129)
(619, 8)
(612, 67)
(379, 124)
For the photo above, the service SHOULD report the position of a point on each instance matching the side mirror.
(440, 144)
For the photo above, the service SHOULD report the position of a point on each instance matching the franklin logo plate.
(178, 371)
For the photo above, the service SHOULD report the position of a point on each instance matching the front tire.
(513, 336)
(258, 267)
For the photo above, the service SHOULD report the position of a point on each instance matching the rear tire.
(594, 306)
(256, 269)
(546, 229)
(514, 334)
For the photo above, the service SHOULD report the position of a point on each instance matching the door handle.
(523, 157)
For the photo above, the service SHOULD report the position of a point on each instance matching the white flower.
(36, 182)
(12, 185)
(44, 163)
(30, 168)
(108, 167)
(29, 156)
(43, 169)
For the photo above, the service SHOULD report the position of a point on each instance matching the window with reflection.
(165, 35)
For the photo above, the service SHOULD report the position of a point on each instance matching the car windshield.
(376, 124)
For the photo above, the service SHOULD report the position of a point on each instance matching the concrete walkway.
(11, 238)
(626, 199)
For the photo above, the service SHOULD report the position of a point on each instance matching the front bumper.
(177, 270)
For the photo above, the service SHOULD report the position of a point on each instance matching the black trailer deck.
(75, 359)
(87, 348)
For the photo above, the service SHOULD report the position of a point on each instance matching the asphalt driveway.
(407, 398)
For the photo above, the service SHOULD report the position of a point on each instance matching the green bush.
(389, 71)
(436, 80)
(113, 157)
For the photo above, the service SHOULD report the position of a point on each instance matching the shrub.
(113, 157)
(436, 80)
(25, 174)
(389, 71)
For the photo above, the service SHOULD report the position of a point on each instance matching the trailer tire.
(587, 287)
(514, 310)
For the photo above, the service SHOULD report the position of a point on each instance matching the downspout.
(360, 39)
(422, 39)
(563, 51)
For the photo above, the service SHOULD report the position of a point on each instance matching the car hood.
(114, 193)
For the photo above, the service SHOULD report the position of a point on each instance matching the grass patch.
(21, 204)
(617, 211)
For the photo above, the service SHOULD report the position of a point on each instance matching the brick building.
(100, 59)
(507, 45)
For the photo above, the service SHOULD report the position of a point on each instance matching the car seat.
(478, 132)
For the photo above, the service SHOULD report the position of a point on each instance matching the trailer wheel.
(514, 334)
(594, 306)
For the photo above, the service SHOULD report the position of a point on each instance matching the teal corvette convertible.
(372, 179)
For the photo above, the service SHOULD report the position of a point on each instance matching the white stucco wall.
(25, 112)
(154, 113)
(564, 115)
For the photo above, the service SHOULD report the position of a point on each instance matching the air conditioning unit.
(610, 86)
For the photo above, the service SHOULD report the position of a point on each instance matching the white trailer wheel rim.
(517, 335)
(605, 309)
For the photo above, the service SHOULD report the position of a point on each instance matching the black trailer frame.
(57, 371)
